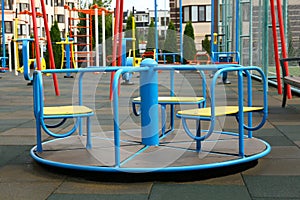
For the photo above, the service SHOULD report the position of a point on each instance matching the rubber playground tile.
(19, 132)
(235, 179)
(284, 152)
(17, 140)
(162, 191)
(266, 132)
(280, 187)
(32, 172)
(276, 167)
(27, 190)
(9, 153)
(98, 196)
(277, 140)
(80, 186)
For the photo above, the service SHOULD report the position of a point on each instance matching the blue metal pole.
(181, 36)
(241, 113)
(3, 36)
(237, 25)
(149, 103)
(68, 55)
(156, 31)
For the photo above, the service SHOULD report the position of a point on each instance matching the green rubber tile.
(276, 167)
(267, 132)
(277, 140)
(197, 191)
(281, 187)
(97, 197)
(11, 153)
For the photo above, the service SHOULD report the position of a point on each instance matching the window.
(8, 27)
(60, 18)
(208, 13)
(186, 16)
(194, 14)
(58, 2)
(24, 6)
(7, 5)
(22, 30)
(202, 13)
(197, 13)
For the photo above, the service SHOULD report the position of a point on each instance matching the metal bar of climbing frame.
(275, 43)
(283, 44)
(50, 50)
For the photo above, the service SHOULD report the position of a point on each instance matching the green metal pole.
(285, 20)
(265, 41)
(251, 34)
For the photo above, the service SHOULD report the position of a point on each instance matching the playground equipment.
(27, 61)
(35, 33)
(66, 47)
(147, 149)
(283, 45)
(288, 79)
(172, 100)
(63, 112)
(121, 151)
(88, 52)
(130, 60)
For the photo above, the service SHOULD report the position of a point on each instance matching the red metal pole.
(283, 45)
(115, 41)
(51, 57)
(120, 33)
(275, 42)
(36, 39)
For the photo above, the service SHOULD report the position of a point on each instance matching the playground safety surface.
(275, 176)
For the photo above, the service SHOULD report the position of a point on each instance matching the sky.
(141, 5)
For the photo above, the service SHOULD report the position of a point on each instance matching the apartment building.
(198, 12)
(19, 9)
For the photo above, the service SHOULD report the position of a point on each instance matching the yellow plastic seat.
(219, 111)
(67, 110)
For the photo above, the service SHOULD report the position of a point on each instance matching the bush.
(189, 48)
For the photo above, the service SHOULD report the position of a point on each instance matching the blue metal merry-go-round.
(149, 148)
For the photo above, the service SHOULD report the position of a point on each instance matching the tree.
(151, 37)
(170, 45)
(189, 48)
(206, 45)
(57, 51)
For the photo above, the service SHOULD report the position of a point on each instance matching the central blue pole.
(3, 35)
(149, 103)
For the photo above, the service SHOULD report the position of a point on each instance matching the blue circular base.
(176, 153)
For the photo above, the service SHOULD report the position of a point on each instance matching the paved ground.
(276, 176)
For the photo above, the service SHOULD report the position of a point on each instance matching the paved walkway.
(276, 176)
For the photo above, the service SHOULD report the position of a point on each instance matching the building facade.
(21, 9)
